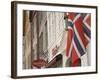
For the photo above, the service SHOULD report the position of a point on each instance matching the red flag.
(78, 36)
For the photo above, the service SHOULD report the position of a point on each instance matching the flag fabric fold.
(79, 35)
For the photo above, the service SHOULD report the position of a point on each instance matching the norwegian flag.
(79, 35)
